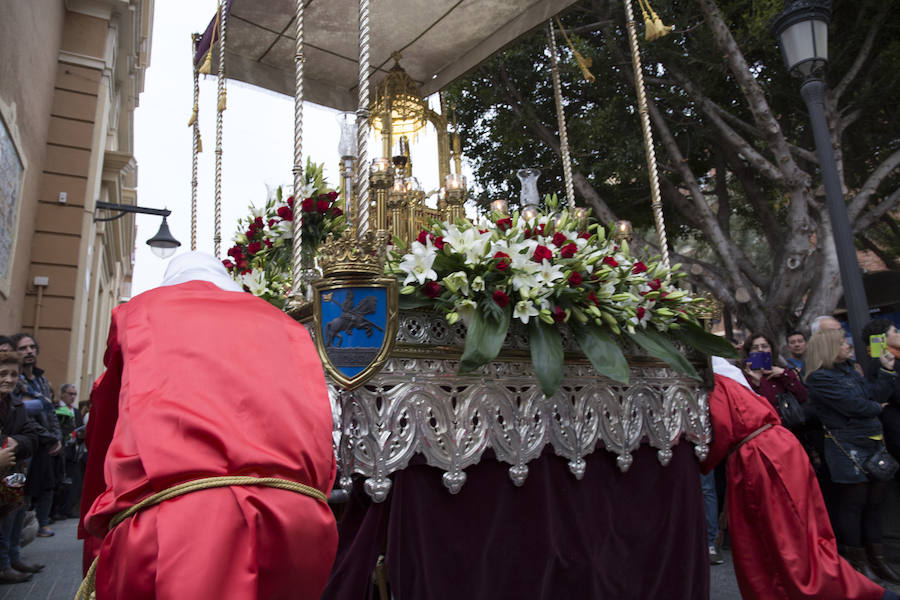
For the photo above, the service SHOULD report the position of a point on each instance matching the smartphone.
(760, 360)
(877, 346)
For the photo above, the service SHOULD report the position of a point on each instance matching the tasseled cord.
(653, 26)
(584, 62)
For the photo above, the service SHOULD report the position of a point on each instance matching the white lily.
(255, 281)
(524, 310)
(466, 310)
(548, 273)
(457, 282)
(468, 242)
(477, 284)
(417, 264)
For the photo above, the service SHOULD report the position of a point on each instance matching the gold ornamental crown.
(348, 255)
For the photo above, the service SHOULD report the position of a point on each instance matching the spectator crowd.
(42, 454)
(845, 412)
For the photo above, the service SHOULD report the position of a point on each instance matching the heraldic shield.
(355, 324)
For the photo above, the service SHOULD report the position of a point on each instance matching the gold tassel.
(206, 67)
(653, 26)
(199, 143)
(222, 105)
(193, 118)
(584, 62)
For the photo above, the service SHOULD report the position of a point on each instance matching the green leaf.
(703, 341)
(603, 352)
(658, 346)
(410, 301)
(483, 339)
(546, 355)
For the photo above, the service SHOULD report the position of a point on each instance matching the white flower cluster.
(554, 268)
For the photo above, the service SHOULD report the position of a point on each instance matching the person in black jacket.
(890, 416)
(22, 435)
(848, 407)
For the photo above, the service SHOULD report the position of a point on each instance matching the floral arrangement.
(545, 271)
(261, 256)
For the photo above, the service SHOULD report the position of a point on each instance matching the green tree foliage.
(739, 177)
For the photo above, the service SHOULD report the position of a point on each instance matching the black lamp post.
(163, 244)
(802, 31)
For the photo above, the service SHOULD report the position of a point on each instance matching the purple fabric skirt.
(640, 534)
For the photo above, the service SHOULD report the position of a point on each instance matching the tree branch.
(877, 212)
(863, 54)
(870, 187)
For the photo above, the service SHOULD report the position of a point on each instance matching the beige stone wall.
(81, 146)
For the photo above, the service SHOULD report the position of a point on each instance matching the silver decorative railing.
(418, 404)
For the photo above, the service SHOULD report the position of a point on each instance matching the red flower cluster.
(575, 280)
(609, 261)
(559, 239)
(504, 223)
(568, 251)
(503, 261)
(501, 298)
(639, 267)
(541, 253)
(424, 236)
(432, 289)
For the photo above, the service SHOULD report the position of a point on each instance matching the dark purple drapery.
(634, 535)
(210, 35)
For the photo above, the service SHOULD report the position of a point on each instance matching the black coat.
(19, 426)
(890, 416)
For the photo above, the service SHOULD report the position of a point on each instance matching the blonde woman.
(848, 407)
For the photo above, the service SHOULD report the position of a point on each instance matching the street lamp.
(163, 244)
(802, 31)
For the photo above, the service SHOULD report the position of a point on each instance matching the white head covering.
(722, 367)
(199, 266)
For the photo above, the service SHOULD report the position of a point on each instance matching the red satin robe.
(781, 537)
(201, 382)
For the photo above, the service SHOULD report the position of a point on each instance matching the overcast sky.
(258, 142)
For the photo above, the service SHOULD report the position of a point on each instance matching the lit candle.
(455, 181)
(380, 166)
(530, 212)
(500, 206)
(623, 229)
(580, 213)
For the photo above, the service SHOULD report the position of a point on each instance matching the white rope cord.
(297, 247)
(362, 124)
(217, 236)
(196, 145)
(656, 203)
(561, 116)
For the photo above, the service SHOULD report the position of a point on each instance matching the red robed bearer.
(212, 394)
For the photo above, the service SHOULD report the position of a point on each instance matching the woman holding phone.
(848, 407)
(765, 375)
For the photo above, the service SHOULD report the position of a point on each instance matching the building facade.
(71, 73)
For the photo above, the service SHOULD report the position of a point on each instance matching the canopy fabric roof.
(439, 41)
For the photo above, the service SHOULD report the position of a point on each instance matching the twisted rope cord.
(195, 150)
(297, 225)
(217, 236)
(656, 203)
(88, 584)
(362, 123)
(561, 116)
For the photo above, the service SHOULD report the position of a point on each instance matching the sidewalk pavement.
(62, 574)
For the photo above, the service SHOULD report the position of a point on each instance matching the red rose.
(322, 206)
(432, 289)
(559, 315)
(575, 279)
(559, 239)
(504, 223)
(267, 242)
(254, 247)
(593, 299)
(584, 235)
(285, 213)
(235, 252)
(332, 195)
(423, 236)
(250, 233)
(528, 232)
(308, 205)
(501, 298)
(258, 223)
(335, 212)
(439, 242)
(503, 261)
(241, 265)
(641, 311)
(541, 253)
(290, 201)
(539, 230)
(609, 261)
(662, 295)
(655, 284)
(639, 267)
(568, 251)
(228, 264)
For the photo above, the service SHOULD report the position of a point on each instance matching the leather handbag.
(881, 466)
(789, 410)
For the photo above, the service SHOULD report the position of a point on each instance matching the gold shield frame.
(322, 286)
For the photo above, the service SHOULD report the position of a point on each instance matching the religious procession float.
(517, 406)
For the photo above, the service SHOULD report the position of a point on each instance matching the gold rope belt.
(86, 589)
